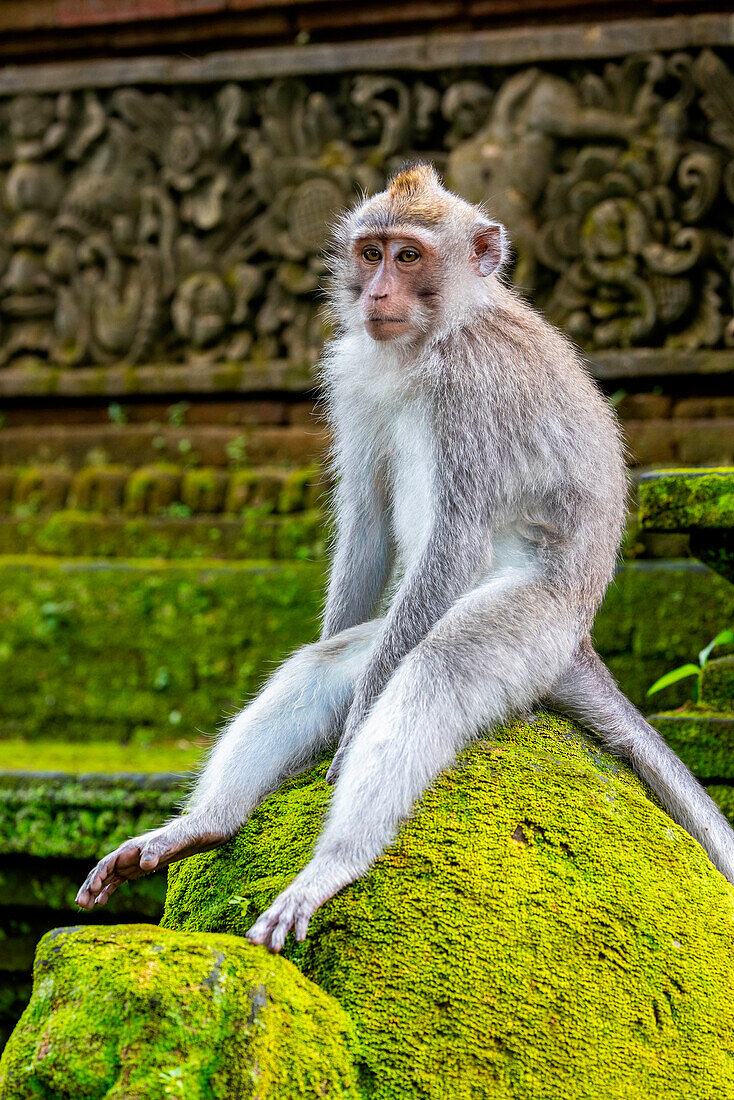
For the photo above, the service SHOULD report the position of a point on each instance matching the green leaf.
(723, 638)
(673, 677)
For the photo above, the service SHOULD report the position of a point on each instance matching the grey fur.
(480, 505)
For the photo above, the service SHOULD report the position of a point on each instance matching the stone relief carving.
(146, 226)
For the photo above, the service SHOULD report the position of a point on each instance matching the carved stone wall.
(142, 225)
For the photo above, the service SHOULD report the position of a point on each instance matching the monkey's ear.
(489, 248)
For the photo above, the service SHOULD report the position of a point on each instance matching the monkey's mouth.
(386, 320)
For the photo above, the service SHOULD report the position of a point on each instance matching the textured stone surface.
(534, 932)
(144, 1014)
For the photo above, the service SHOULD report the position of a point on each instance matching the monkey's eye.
(408, 256)
(371, 255)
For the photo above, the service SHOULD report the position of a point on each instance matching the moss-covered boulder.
(139, 1013)
(541, 930)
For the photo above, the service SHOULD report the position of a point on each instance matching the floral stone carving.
(142, 225)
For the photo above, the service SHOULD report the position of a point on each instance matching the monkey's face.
(396, 284)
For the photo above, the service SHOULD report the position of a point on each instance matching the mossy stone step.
(160, 488)
(250, 536)
(81, 815)
(77, 445)
(700, 502)
(142, 1013)
(702, 737)
(716, 688)
(679, 500)
(535, 930)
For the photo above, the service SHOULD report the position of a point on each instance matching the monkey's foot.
(294, 908)
(144, 854)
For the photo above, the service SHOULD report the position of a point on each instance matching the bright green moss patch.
(535, 931)
(98, 756)
(114, 651)
(141, 1013)
(677, 500)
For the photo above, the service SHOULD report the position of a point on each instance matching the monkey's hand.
(294, 908)
(143, 854)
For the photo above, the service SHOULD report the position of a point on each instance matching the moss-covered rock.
(717, 684)
(535, 932)
(138, 1013)
(678, 500)
(702, 737)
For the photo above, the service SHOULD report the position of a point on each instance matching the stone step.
(253, 536)
(273, 410)
(161, 488)
(703, 738)
(716, 688)
(61, 814)
(139, 444)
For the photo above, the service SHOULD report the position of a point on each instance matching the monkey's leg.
(588, 692)
(297, 714)
(497, 651)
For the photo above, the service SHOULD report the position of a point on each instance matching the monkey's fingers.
(106, 893)
(124, 862)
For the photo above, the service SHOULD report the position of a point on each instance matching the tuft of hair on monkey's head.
(415, 198)
(448, 241)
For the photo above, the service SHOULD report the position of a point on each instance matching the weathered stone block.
(152, 488)
(204, 490)
(42, 487)
(99, 488)
(140, 1013)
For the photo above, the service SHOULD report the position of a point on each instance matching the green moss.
(535, 931)
(678, 500)
(717, 684)
(56, 815)
(702, 737)
(119, 629)
(107, 757)
(93, 650)
(152, 488)
(253, 535)
(140, 1013)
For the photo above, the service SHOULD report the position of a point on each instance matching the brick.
(645, 406)
(649, 441)
(699, 408)
(702, 442)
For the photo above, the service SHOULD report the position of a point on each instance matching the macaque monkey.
(480, 502)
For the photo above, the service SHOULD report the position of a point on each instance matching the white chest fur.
(409, 459)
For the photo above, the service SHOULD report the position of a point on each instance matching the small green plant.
(725, 637)
(177, 413)
(116, 413)
(237, 450)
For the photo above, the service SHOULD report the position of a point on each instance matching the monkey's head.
(413, 257)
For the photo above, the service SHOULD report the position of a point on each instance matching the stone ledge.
(185, 379)
(415, 53)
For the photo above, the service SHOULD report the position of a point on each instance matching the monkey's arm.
(362, 557)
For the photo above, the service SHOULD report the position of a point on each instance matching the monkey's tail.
(588, 692)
